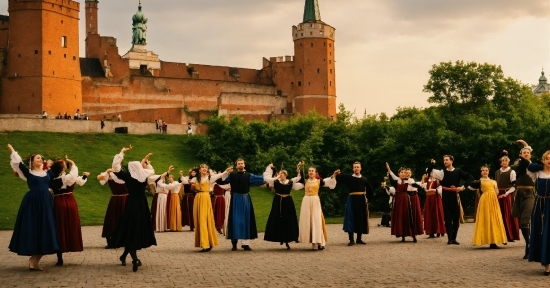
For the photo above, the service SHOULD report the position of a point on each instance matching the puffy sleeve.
(215, 177)
(117, 162)
(174, 186)
(296, 184)
(437, 174)
(390, 190)
(256, 180)
(104, 178)
(184, 180)
(18, 167)
(81, 180)
(329, 182)
(71, 178)
(267, 176)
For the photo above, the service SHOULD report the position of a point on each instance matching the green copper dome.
(542, 78)
(311, 11)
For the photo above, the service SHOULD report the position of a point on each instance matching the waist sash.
(357, 193)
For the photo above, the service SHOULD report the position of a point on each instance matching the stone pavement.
(384, 261)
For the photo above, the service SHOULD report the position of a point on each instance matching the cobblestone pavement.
(384, 261)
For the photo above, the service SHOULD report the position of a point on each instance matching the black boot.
(351, 242)
(234, 243)
(287, 246)
(525, 233)
(59, 259)
(359, 241)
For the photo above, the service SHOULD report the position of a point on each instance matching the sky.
(384, 48)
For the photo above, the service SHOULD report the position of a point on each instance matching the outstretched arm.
(17, 165)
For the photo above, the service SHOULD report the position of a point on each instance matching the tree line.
(477, 112)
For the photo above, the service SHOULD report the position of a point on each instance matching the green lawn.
(94, 153)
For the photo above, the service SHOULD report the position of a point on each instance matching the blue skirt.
(539, 240)
(34, 232)
(241, 223)
(356, 215)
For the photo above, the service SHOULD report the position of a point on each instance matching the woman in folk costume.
(172, 188)
(506, 178)
(412, 191)
(489, 228)
(67, 220)
(539, 242)
(119, 193)
(34, 233)
(159, 217)
(187, 199)
(134, 230)
(434, 220)
(312, 222)
(404, 218)
(205, 229)
(218, 205)
(282, 224)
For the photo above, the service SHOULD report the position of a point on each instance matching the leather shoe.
(246, 247)
(351, 243)
(359, 241)
(454, 242)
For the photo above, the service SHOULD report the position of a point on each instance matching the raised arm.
(117, 160)
(17, 164)
(437, 174)
(268, 178)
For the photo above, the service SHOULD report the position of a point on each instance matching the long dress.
(34, 231)
(218, 205)
(187, 200)
(406, 217)
(174, 211)
(312, 222)
(119, 193)
(434, 220)
(539, 241)
(489, 228)
(67, 219)
(133, 230)
(160, 217)
(505, 182)
(282, 224)
(206, 235)
(356, 215)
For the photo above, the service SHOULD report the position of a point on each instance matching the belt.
(62, 194)
(525, 187)
(455, 190)
(283, 195)
(119, 195)
(281, 202)
(357, 193)
(431, 192)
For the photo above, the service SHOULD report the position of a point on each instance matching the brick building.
(41, 70)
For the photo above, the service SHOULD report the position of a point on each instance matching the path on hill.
(384, 261)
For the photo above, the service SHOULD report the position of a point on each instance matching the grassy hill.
(94, 153)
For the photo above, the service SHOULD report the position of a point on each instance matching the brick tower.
(91, 17)
(43, 67)
(314, 63)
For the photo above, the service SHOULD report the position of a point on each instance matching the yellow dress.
(489, 228)
(312, 221)
(206, 235)
(175, 211)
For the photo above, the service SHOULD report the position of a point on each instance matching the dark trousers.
(451, 212)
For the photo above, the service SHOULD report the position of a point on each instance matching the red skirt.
(187, 210)
(511, 224)
(114, 210)
(434, 220)
(417, 214)
(67, 222)
(401, 216)
(218, 205)
(154, 211)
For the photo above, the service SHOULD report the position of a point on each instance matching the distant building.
(41, 71)
(543, 86)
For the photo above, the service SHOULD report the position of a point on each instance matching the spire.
(542, 79)
(311, 11)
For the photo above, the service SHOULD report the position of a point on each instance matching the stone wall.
(82, 126)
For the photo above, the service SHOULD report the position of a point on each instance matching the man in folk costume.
(241, 222)
(506, 178)
(525, 195)
(449, 179)
(356, 216)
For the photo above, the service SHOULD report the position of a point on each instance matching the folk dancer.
(525, 194)
(506, 178)
(356, 215)
(67, 220)
(449, 179)
(119, 193)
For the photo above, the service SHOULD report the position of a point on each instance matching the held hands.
(124, 149)
(10, 148)
(110, 170)
(86, 174)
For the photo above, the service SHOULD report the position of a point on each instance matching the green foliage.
(479, 112)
